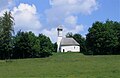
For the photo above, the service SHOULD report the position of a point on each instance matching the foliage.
(55, 47)
(116, 29)
(102, 38)
(28, 45)
(46, 46)
(25, 45)
(69, 34)
(6, 29)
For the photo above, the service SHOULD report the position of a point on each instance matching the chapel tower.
(59, 29)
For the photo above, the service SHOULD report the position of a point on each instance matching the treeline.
(27, 45)
(102, 39)
(23, 44)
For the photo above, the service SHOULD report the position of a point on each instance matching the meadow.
(63, 65)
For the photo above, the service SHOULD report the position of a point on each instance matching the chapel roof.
(68, 42)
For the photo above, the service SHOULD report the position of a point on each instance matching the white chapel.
(66, 44)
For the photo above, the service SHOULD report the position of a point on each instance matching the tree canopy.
(103, 38)
(27, 45)
(6, 29)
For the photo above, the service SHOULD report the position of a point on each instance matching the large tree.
(26, 45)
(6, 29)
(102, 38)
(46, 46)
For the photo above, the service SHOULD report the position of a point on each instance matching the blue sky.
(44, 16)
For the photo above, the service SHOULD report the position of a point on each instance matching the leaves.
(6, 28)
(102, 38)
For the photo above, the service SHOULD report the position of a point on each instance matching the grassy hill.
(63, 65)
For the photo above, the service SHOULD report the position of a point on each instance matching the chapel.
(66, 44)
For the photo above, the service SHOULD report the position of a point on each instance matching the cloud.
(62, 8)
(74, 6)
(26, 18)
(72, 20)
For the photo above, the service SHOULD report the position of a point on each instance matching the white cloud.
(26, 18)
(75, 6)
(71, 20)
(62, 8)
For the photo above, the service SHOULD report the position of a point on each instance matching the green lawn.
(63, 65)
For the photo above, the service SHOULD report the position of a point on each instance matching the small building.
(66, 44)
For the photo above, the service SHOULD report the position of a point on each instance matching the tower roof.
(68, 42)
(60, 28)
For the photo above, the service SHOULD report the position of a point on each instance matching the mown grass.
(63, 65)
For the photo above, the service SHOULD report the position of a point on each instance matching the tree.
(81, 40)
(69, 34)
(101, 39)
(6, 24)
(34, 44)
(26, 45)
(1, 39)
(116, 28)
(55, 47)
(46, 46)
(21, 47)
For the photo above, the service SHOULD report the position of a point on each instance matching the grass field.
(63, 65)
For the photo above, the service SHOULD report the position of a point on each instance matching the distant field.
(63, 65)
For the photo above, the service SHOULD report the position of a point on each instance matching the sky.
(44, 16)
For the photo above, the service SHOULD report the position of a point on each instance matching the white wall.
(70, 48)
(58, 43)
